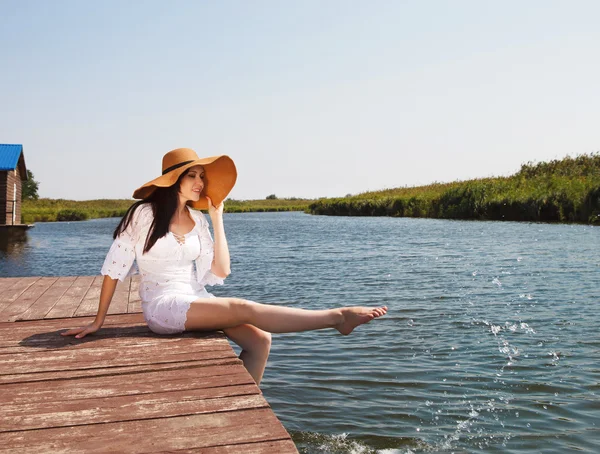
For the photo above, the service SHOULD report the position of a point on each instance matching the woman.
(177, 257)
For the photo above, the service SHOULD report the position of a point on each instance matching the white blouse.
(168, 268)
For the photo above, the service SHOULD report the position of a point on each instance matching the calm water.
(491, 343)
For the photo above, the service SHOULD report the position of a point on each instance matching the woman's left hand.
(214, 210)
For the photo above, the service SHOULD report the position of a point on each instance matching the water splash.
(320, 443)
(555, 358)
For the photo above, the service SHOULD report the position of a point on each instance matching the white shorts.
(168, 314)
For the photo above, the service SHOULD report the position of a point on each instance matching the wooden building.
(12, 174)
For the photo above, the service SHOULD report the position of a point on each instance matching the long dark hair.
(164, 204)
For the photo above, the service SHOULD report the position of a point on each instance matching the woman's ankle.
(337, 317)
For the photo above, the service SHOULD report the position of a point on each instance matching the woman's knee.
(261, 343)
(264, 340)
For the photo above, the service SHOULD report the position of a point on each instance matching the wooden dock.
(124, 388)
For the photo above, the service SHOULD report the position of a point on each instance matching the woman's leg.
(222, 313)
(255, 344)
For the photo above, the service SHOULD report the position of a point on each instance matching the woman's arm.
(221, 265)
(106, 294)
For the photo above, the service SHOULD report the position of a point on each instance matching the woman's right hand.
(214, 210)
(83, 331)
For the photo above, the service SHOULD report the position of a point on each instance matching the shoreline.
(559, 191)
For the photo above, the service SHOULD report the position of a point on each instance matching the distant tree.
(272, 197)
(30, 187)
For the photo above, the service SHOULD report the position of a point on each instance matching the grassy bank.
(566, 190)
(244, 206)
(49, 210)
(45, 210)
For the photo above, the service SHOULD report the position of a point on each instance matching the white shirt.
(168, 268)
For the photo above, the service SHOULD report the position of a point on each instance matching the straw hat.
(220, 176)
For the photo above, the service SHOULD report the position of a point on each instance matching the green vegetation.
(44, 210)
(269, 204)
(566, 190)
(30, 187)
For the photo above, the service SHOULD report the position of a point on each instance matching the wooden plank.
(117, 325)
(7, 282)
(69, 302)
(88, 347)
(108, 337)
(25, 336)
(143, 339)
(126, 384)
(41, 415)
(10, 330)
(152, 435)
(56, 360)
(13, 292)
(119, 304)
(114, 370)
(120, 298)
(89, 303)
(27, 298)
(134, 306)
(47, 301)
(135, 284)
(135, 303)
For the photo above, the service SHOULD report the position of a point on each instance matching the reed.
(566, 190)
(245, 206)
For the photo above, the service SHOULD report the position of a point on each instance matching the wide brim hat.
(220, 175)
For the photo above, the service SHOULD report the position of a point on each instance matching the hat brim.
(220, 176)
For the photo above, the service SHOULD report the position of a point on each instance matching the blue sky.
(310, 98)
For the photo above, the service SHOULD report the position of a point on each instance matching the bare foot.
(354, 316)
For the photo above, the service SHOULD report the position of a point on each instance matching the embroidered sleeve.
(118, 263)
(207, 251)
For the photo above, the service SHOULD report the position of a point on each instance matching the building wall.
(3, 196)
(7, 195)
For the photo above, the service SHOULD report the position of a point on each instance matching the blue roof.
(9, 156)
